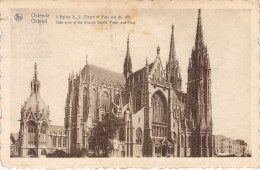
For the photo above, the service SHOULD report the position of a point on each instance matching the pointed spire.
(35, 72)
(158, 51)
(128, 48)
(128, 62)
(86, 59)
(199, 33)
(172, 46)
(35, 84)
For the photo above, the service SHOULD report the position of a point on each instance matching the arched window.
(139, 136)
(158, 108)
(59, 141)
(189, 141)
(76, 101)
(83, 138)
(105, 102)
(64, 142)
(93, 103)
(117, 99)
(138, 101)
(121, 134)
(54, 139)
(31, 132)
(43, 135)
(204, 141)
(182, 141)
(159, 114)
(85, 103)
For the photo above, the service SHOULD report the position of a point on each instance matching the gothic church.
(159, 119)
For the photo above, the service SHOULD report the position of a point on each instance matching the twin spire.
(172, 53)
(199, 42)
(128, 62)
(172, 66)
(173, 71)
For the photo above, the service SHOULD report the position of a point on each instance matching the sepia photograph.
(175, 85)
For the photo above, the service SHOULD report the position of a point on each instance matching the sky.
(58, 49)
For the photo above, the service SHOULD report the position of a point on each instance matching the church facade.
(158, 118)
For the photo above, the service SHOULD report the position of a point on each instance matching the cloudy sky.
(58, 49)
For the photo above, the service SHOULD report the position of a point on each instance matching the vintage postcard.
(140, 84)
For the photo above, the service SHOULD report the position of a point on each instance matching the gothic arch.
(139, 136)
(189, 141)
(204, 141)
(182, 141)
(138, 100)
(31, 132)
(159, 114)
(85, 103)
(93, 103)
(159, 107)
(43, 132)
(105, 102)
(117, 99)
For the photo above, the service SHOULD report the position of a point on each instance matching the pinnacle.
(35, 71)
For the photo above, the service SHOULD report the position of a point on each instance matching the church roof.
(57, 129)
(141, 70)
(35, 103)
(102, 75)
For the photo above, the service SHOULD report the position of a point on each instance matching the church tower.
(128, 62)
(199, 95)
(173, 71)
(34, 122)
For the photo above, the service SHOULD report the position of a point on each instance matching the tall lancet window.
(139, 136)
(159, 113)
(85, 104)
(138, 102)
(93, 103)
(43, 135)
(31, 132)
(105, 102)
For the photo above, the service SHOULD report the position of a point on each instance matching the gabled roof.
(103, 75)
(57, 129)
